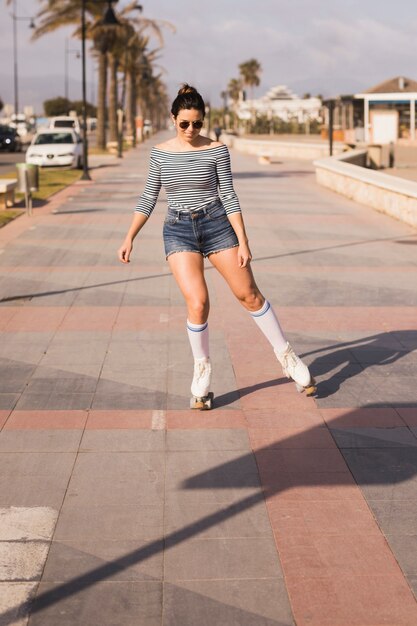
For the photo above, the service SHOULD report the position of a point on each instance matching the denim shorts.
(204, 230)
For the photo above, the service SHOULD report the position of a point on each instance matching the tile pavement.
(272, 509)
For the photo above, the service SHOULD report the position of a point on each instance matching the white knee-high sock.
(267, 321)
(198, 334)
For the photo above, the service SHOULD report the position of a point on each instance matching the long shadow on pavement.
(378, 458)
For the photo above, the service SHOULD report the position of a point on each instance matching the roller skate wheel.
(311, 389)
(202, 404)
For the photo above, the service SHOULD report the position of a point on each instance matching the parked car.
(10, 139)
(53, 148)
(65, 121)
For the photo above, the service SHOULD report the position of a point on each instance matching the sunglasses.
(185, 124)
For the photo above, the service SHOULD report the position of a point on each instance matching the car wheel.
(79, 164)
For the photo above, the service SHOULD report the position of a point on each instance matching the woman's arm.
(139, 220)
(230, 202)
(244, 254)
(144, 208)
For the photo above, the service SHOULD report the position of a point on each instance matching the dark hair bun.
(185, 88)
(187, 98)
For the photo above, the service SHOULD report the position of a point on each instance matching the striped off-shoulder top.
(191, 179)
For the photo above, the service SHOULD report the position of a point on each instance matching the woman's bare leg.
(243, 285)
(240, 279)
(188, 271)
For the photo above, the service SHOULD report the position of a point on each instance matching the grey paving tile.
(241, 521)
(222, 558)
(8, 400)
(405, 549)
(117, 478)
(115, 440)
(222, 439)
(142, 399)
(373, 437)
(14, 376)
(38, 464)
(54, 400)
(227, 602)
(62, 382)
(40, 440)
(112, 560)
(395, 517)
(104, 603)
(113, 522)
(33, 491)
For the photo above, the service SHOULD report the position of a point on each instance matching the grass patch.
(51, 181)
(9, 215)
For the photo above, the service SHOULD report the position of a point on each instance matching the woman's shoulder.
(165, 145)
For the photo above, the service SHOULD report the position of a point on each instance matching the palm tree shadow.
(378, 459)
(352, 358)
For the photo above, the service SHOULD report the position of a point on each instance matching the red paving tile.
(42, 420)
(90, 318)
(383, 417)
(149, 318)
(333, 319)
(271, 462)
(281, 437)
(216, 418)
(278, 417)
(408, 414)
(32, 318)
(331, 517)
(3, 418)
(313, 487)
(325, 556)
(6, 314)
(140, 419)
(352, 601)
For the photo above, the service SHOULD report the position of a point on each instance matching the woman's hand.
(125, 250)
(244, 255)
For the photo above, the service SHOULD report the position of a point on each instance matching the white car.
(52, 148)
(65, 121)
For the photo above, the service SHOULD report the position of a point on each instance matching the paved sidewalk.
(120, 506)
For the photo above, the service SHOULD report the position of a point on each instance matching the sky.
(326, 47)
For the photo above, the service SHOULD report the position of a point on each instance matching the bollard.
(27, 181)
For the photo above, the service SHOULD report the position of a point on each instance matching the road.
(8, 162)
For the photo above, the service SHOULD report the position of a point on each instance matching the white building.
(281, 102)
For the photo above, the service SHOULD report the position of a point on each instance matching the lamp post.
(67, 52)
(109, 19)
(16, 19)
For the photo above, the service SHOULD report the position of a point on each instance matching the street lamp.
(109, 19)
(16, 19)
(67, 52)
(330, 104)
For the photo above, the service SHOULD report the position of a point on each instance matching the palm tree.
(234, 89)
(249, 72)
(108, 45)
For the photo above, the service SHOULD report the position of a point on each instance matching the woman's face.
(188, 124)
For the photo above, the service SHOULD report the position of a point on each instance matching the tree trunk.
(101, 101)
(113, 99)
(131, 106)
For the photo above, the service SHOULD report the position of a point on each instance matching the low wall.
(283, 149)
(388, 194)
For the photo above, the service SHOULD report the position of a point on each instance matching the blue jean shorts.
(204, 230)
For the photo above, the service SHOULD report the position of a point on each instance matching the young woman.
(204, 220)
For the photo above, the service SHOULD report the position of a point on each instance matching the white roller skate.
(294, 368)
(200, 387)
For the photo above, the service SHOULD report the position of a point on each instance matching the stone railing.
(346, 173)
(267, 149)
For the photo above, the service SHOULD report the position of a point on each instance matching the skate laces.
(289, 358)
(201, 369)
